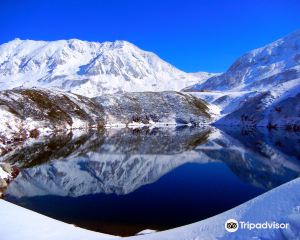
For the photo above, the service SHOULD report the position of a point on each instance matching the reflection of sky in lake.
(123, 181)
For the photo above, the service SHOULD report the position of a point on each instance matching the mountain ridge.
(88, 68)
(273, 62)
(258, 78)
(261, 88)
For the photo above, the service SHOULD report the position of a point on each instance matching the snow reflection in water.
(121, 181)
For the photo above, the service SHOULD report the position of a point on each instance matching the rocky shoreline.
(7, 174)
(30, 113)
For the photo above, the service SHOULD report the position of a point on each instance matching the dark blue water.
(214, 174)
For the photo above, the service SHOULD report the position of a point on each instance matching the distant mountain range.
(88, 68)
(261, 88)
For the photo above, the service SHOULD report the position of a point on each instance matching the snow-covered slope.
(29, 112)
(273, 206)
(154, 108)
(260, 88)
(7, 174)
(36, 226)
(278, 107)
(88, 68)
(259, 69)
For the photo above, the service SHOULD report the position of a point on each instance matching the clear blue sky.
(192, 35)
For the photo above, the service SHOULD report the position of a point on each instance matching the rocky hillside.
(7, 174)
(88, 68)
(32, 112)
(276, 108)
(154, 108)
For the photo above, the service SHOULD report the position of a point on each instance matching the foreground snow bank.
(20, 223)
(280, 205)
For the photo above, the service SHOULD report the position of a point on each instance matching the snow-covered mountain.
(259, 69)
(88, 68)
(278, 107)
(261, 88)
(106, 69)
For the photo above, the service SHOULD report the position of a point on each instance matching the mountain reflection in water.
(121, 181)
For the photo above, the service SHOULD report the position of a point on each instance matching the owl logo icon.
(231, 225)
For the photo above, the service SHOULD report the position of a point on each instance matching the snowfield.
(271, 206)
(20, 223)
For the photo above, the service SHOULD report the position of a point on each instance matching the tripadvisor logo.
(231, 225)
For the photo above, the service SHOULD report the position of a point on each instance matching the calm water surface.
(121, 181)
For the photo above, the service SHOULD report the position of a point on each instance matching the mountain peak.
(122, 43)
(88, 68)
(17, 40)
